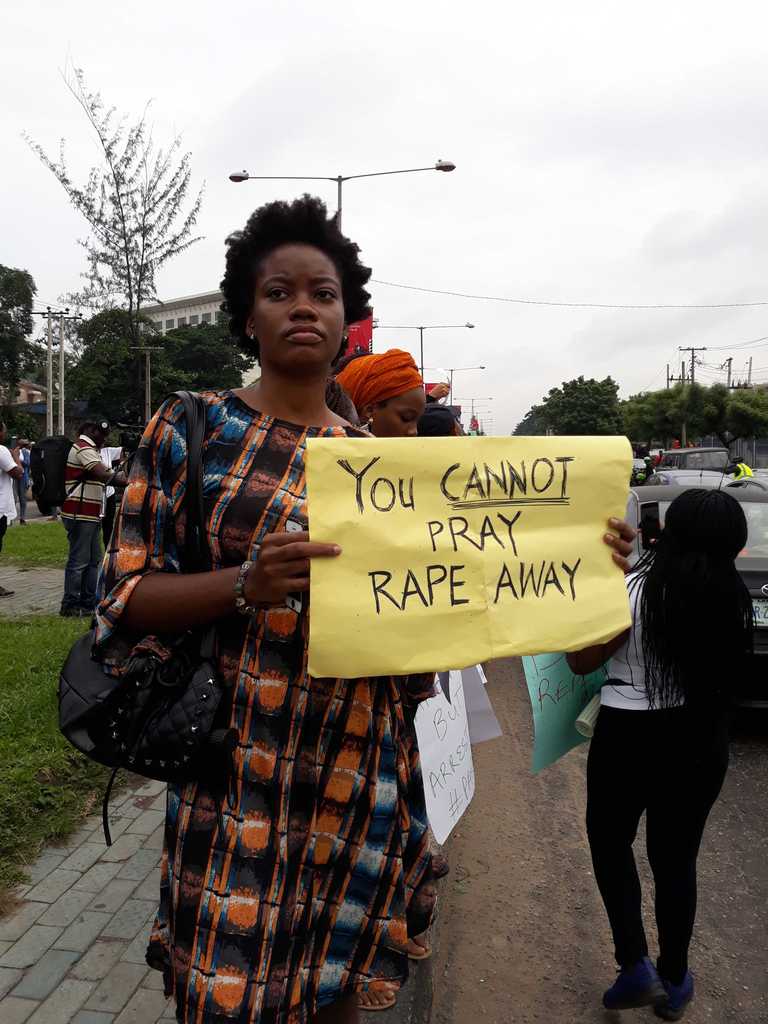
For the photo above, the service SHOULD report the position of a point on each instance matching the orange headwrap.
(372, 379)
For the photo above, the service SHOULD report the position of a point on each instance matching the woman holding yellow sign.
(286, 897)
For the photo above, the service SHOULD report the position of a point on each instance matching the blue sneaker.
(678, 997)
(638, 985)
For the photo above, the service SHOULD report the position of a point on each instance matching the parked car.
(701, 467)
(647, 510)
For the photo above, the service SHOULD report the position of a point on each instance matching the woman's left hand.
(623, 544)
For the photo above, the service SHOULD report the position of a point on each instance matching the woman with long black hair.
(660, 744)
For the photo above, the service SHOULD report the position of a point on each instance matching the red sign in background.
(360, 337)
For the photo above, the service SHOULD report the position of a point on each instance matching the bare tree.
(134, 203)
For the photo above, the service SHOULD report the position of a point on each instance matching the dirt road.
(522, 936)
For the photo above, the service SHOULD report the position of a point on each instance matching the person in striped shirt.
(85, 480)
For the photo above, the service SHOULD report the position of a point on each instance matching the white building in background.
(193, 311)
(188, 311)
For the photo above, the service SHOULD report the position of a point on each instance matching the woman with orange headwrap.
(387, 391)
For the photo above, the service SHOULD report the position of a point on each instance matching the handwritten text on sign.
(456, 550)
(442, 731)
(558, 696)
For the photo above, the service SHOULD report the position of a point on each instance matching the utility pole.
(63, 316)
(693, 349)
(667, 376)
(49, 379)
(62, 319)
(728, 363)
(146, 351)
(749, 375)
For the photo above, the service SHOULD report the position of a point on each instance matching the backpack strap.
(196, 556)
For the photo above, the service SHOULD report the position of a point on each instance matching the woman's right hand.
(282, 567)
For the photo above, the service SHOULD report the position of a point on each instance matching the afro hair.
(303, 221)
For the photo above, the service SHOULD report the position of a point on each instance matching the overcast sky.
(605, 153)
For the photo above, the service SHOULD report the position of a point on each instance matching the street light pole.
(421, 329)
(238, 176)
(146, 351)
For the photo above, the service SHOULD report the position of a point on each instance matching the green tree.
(204, 357)
(134, 202)
(729, 415)
(532, 424)
(717, 402)
(583, 406)
(747, 414)
(17, 293)
(21, 423)
(109, 371)
(640, 417)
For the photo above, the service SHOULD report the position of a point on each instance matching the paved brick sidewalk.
(35, 592)
(73, 950)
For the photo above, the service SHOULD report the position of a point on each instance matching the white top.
(628, 663)
(108, 457)
(7, 504)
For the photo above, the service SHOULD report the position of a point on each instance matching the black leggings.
(670, 764)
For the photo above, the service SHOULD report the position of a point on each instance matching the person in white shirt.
(10, 470)
(109, 456)
(660, 745)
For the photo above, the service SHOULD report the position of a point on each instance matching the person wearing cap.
(438, 421)
(85, 480)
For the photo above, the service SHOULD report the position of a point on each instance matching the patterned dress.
(300, 895)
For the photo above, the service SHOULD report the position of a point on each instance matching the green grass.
(46, 787)
(39, 544)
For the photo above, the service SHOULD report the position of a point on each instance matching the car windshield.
(696, 461)
(705, 460)
(757, 527)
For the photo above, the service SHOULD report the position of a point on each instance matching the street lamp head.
(239, 176)
(445, 165)
(471, 326)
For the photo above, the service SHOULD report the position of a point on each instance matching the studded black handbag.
(165, 717)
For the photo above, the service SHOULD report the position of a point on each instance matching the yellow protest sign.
(457, 550)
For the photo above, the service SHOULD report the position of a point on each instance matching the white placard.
(483, 724)
(442, 731)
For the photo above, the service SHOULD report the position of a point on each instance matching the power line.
(739, 345)
(574, 305)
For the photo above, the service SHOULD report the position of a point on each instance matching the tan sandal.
(425, 951)
(364, 1003)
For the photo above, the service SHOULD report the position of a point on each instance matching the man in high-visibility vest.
(742, 471)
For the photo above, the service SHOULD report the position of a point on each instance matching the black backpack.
(47, 468)
(165, 721)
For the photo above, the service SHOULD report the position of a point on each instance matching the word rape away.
(456, 550)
